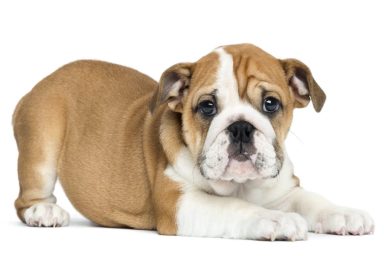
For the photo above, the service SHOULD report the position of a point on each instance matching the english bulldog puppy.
(199, 154)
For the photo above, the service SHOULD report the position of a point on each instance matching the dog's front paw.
(274, 225)
(46, 215)
(344, 221)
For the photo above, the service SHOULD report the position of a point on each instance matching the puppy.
(200, 154)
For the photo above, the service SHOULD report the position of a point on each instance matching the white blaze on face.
(215, 163)
(226, 83)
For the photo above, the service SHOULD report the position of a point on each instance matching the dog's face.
(236, 105)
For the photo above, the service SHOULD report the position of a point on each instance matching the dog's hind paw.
(46, 215)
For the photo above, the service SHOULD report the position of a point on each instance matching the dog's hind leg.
(39, 132)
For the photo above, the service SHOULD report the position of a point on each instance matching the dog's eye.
(271, 105)
(207, 108)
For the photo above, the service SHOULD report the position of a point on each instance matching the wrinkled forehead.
(236, 65)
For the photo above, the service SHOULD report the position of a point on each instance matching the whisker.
(297, 137)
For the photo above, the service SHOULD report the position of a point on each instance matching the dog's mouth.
(240, 169)
(240, 156)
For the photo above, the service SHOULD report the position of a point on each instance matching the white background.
(337, 152)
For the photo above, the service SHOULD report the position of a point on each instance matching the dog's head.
(236, 108)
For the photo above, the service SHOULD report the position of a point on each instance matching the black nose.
(241, 131)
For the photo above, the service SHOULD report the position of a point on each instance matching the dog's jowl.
(199, 154)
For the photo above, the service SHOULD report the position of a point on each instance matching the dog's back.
(86, 106)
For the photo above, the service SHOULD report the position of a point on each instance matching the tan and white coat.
(131, 153)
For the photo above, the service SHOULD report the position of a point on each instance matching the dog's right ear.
(173, 87)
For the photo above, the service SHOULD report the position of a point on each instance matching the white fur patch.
(216, 157)
(265, 192)
(226, 83)
(265, 159)
(324, 217)
(201, 214)
(46, 215)
(224, 188)
(186, 172)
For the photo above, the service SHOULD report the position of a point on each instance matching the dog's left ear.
(304, 86)
(173, 87)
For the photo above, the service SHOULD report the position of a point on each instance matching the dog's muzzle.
(239, 153)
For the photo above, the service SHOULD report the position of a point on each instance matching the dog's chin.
(236, 173)
(240, 171)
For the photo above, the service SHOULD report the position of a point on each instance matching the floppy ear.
(173, 87)
(303, 84)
